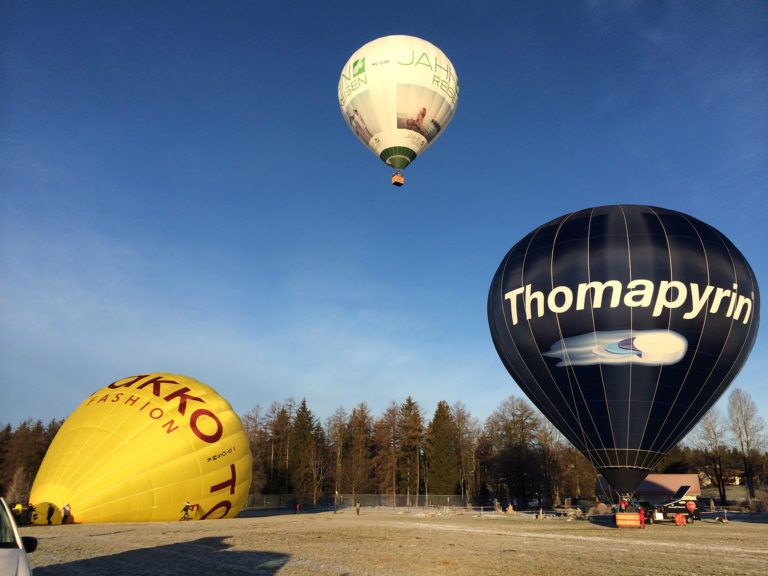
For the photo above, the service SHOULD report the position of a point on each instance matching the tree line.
(514, 456)
(403, 452)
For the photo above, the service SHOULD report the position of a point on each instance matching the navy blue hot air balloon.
(624, 325)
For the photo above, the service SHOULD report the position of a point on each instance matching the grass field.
(399, 542)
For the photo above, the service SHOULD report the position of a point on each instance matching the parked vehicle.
(681, 509)
(13, 547)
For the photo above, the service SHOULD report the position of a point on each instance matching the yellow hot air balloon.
(398, 94)
(143, 448)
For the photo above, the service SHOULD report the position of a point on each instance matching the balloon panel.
(139, 448)
(623, 325)
(398, 94)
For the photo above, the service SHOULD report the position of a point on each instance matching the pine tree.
(337, 436)
(411, 425)
(467, 432)
(442, 451)
(358, 470)
(302, 445)
(278, 424)
(387, 442)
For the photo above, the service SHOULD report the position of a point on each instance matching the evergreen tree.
(358, 470)
(337, 435)
(411, 432)
(301, 459)
(278, 424)
(442, 451)
(387, 446)
(467, 432)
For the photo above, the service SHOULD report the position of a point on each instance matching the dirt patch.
(392, 543)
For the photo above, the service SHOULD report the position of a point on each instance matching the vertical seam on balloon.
(669, 325)
(570, 373)
(664, 446)
(594, 333)
(727, 377)
(541, 394)
(631, 333)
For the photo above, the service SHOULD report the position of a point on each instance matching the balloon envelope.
(398, 94)
(138, 449)
(624, 325)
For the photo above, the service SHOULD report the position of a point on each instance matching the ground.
(401, 542)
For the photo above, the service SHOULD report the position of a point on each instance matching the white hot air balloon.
(398, 94)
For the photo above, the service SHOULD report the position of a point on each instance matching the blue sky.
(179, 191)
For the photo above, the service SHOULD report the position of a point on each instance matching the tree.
(511, 431)
(411, 432)
(254, 426)
(387, 446)
(20, 486)
(303, 447)
(442, 451)
(467, 433)
(747, 427)
(317, 457)
(550, 447)
(358, 471)
(709, 438)
(337, 443)
(279, 420)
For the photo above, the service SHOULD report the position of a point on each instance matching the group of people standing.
(27, 514)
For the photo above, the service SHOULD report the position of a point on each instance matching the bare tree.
(254, 425)
(709, 437)
(747, 428)
(19, 490)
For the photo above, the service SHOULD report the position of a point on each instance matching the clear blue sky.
(180, 193)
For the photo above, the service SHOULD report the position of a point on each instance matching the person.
(357, 507)
(65, 513)
(297, 508)
(416, 124)
(186, 512)
(642, 517)
(623, 506)
(49, 515)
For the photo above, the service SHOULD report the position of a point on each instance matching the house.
(656, 488)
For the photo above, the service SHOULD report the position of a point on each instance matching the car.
(680, 508)
(13, 547)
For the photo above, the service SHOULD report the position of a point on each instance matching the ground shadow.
(263, 512)
(205, 556)
(749, 517)
(606, 520)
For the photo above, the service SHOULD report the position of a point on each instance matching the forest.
(514, 457)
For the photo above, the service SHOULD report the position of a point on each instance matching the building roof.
(658, 485)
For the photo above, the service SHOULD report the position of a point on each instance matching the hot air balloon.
(140, 448)
(398, 94)
(624, 325)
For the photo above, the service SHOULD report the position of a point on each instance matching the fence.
(272, 501)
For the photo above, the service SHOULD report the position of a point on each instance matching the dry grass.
(397, 543)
